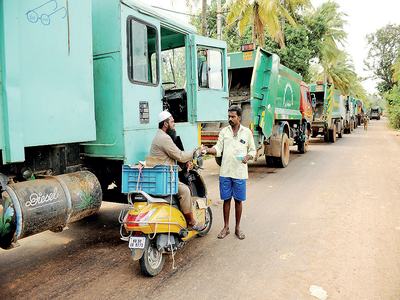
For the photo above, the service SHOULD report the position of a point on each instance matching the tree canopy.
(382, 54)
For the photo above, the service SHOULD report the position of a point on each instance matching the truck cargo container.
(328, 111)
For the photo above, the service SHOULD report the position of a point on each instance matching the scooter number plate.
(137, 242)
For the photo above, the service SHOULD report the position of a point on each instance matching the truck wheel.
(340, 134)
(208, 223)
(326, 136)
(332, 134)
(314, 133)
(283, 160)
(152, 260)
(303, 146)
(270, 161)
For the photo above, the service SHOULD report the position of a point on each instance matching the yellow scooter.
(157, 226)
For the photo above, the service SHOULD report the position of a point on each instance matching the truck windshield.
(173, 67)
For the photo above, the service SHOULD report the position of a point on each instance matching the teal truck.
(350, 118)
(275, 104)
(375, 113)
(82, 84)
(329, 111)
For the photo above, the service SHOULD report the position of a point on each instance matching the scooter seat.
(166, 199)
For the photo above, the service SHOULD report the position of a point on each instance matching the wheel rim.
(285, 155)
(154, 257)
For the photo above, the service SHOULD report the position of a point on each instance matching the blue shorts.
(232, 187)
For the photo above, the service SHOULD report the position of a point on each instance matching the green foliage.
(393, 107)
(229, 34)
(297, 54)
(382, 54)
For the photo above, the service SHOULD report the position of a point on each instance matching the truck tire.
(326, 136)
(283, 160)
(270, 161)
(303, 146)
(332, 134)
(341, 133)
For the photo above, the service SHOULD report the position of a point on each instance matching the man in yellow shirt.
(237, 144)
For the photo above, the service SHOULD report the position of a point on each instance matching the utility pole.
(203, 18)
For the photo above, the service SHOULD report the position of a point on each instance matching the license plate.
(136, 242)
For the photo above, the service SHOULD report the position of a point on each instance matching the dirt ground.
(331, 219)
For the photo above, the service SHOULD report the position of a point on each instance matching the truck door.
(208, 80)
(264, 86)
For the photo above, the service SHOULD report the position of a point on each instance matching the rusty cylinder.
(30, 207)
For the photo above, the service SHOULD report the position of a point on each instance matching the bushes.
(393, 107)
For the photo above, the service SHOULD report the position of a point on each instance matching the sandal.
(240, 235)
(198, 227)
(223, 234)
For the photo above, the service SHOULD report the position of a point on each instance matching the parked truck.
(360, 111)
(350, 119)
(82, 84)
(329, 111)
(375, 113)
(275, 104)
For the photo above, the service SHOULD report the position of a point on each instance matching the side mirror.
(314, 102)
(203, 74)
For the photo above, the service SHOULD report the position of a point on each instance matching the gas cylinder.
(33, 206)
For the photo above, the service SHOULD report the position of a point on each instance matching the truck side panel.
(47, 68)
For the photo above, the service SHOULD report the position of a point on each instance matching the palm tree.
(335, 34)
(339, 72)
(262, 13)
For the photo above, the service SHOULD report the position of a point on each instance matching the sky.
(364, 17)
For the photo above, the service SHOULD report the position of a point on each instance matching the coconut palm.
(339, 72)
(264, 14)
(335, 34)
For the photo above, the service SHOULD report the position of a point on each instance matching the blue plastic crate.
(154, 181)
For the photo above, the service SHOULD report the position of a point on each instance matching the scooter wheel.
(152, 260)
(208, 223)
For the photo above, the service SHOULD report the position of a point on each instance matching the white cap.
(163, 115)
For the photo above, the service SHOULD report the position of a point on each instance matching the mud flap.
(138, 253)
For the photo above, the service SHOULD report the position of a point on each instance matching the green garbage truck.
(329, 111)
(375, 112)
(276, 104)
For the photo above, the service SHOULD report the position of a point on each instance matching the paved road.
(330, 219)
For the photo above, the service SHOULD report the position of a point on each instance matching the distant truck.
(375, 113)
(81, 87)
(276, 104)
(329, 111)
